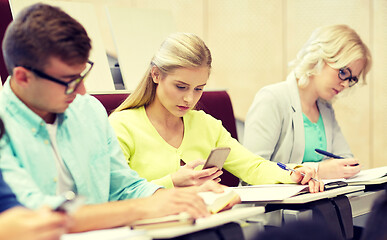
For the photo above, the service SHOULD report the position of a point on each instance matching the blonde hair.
(335, 45)
(179, 50)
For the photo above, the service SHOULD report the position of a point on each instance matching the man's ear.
(21, 76)
(156, 74)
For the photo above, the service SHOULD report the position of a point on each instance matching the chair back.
(111, 100)
(216, 103)
(5, 20)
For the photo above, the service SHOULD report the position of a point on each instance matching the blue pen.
(328, 154)
(284, 167)
(331, 155)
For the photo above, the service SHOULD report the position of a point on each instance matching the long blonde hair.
(179, 50)
(335, 45)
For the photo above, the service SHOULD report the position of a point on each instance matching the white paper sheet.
(368, 174)
(269, 192)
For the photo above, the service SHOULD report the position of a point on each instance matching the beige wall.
(378, 84)
(77, 10)
(252, 41)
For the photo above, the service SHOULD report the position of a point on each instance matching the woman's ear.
(156, 74)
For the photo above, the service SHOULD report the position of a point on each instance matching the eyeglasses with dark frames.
(72, 85)
(346, 74)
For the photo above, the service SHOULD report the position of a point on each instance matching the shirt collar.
(20, 112)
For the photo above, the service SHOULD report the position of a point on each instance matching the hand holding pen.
(337, 167)
(328, 154)
(331, 155)
(284, 167)
(305, 175)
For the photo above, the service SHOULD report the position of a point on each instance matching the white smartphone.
(217, 157)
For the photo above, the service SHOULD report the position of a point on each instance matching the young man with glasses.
(58, 137)
(289, 120)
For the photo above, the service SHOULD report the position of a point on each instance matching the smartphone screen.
(217, 157)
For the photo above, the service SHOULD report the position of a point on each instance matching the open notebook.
(269, 192)
(364, 177)
(215, 202)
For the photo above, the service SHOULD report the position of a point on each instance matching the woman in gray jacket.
(289, 120)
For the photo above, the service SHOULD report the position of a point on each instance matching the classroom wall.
(253, 40)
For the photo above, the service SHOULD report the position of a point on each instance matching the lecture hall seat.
(5, 19)
(216, 103)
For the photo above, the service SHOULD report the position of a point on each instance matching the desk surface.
(310, 197)
(205, 223)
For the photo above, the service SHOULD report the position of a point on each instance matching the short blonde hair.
(179, 50)
(335, 45)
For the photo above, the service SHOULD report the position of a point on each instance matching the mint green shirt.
(86, 143)
(314, 138)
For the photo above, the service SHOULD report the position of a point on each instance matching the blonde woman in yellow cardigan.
(165, 140)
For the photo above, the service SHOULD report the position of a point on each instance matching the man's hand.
(21, 223)
(173, 201)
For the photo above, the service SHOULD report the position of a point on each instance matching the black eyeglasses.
(346, 74)
(72, 85)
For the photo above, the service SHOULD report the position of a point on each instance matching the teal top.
(314, 138)
(86, 143)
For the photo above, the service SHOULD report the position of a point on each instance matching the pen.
(284, 167)
(328, 154)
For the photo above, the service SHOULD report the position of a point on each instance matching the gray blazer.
(274, 127)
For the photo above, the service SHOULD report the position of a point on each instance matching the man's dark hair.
(40, 32)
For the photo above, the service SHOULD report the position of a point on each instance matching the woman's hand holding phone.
(217, 157)
(186, 176)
